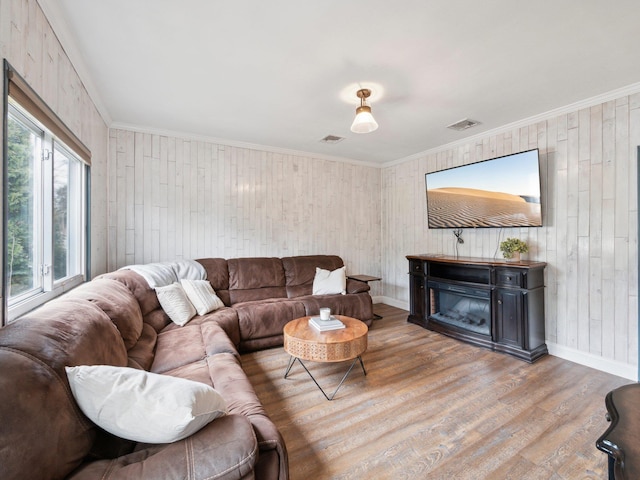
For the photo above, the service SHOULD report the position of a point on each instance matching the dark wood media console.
(490, 303)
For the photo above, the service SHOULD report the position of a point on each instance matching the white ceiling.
(284, 73)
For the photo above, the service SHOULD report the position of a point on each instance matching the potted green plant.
(511, 249)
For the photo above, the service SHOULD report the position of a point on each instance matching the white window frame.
(49, 288)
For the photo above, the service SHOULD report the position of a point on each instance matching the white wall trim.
(239, 144)
(613, 367)
(68, 42)
(378, 299)
(394, 303)
(525, 122)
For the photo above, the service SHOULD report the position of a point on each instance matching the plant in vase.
(511, 248)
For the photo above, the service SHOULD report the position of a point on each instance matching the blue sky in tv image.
(516, 174)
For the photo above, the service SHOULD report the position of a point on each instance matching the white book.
(326, 325)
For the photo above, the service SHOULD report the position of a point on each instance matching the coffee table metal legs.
(357, 359)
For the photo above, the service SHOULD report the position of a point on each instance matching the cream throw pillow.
(143, 406)
(201, 295)
(175, 303)
(327, 283)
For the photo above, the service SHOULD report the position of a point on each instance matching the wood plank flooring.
(433, 407)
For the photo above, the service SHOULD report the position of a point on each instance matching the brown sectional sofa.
(116, 319)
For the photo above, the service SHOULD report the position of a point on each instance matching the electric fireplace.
(466, 308)
(486, 302)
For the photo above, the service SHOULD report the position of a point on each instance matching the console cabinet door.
(509, 314)
(418, 303)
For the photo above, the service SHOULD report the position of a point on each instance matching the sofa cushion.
(177, 347)
(330, 282)
(142, 354)
(67, 332)
(223, 450)
(158, 319)
(145, 295)
(357, 305)
(266, 318)
(216, 340)
(301, 270)
(117, 301)
(226, 318)
(201, 295)
(253, 279)
(143, 406)
(175, 303)
(218, 275)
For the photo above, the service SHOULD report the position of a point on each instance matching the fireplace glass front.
(466, 308)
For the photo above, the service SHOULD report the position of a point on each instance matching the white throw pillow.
(175, 303)
(201, 295)
(143, 406)
(327, 283)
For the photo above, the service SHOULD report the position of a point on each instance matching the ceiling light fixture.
(364, 121)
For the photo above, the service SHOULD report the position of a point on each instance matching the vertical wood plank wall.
(589, 238)
(29, 43)
(173, 198)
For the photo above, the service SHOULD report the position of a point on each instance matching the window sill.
(20, 308)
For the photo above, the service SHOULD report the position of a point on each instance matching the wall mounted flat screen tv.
(501, 192)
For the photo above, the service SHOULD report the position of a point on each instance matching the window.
(45, 221)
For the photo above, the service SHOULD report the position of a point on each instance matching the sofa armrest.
(356, 286)
(225, 449)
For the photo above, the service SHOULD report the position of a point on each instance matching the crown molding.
(573, 107)
(68, 43)
(239, 144)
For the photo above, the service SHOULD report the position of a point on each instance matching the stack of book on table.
(326, 325)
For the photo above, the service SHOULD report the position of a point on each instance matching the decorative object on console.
(364, 121)
(511, 249)
(459, 240)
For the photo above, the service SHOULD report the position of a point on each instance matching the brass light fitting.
(364, 121)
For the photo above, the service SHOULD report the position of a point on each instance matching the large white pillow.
(175, 303)
(327, 283)
(201, 295)
(142, 406)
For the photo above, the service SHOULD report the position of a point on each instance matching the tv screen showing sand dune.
(502, 192)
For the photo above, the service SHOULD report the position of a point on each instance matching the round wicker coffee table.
(303, 342)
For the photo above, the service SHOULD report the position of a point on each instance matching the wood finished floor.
(433, 407)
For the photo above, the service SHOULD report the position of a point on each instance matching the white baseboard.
(391, 301)
(613, 367)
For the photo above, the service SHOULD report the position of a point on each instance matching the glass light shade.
(364, 121)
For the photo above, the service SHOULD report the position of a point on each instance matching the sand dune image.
(461, 207)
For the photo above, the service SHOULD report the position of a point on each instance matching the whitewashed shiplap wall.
(29, 43)
(176, 198)
(589, 238)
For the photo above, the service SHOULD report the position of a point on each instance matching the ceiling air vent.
(332, 139)
(463, 124)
